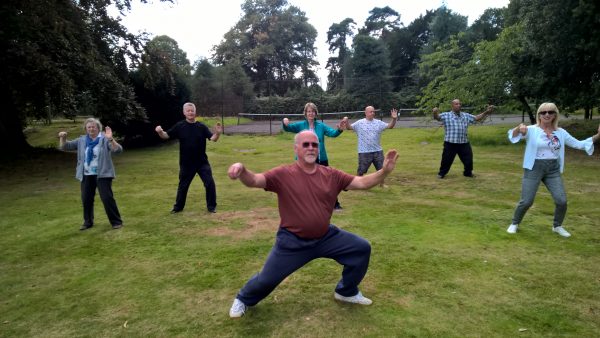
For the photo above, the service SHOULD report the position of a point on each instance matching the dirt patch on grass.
(255, 221)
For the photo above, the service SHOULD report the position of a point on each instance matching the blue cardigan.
(321, 129)
(533, 133)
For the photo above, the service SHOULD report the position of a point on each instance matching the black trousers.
(88, 193)
(186, 175)
(464, 152)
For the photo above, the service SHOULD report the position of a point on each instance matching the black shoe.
(471, 175)
(440, 176)
(85, 226)
(214, 211)
(337, 207)
(174, 211)
(117, 226)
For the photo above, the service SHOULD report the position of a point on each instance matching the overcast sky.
(199, 25)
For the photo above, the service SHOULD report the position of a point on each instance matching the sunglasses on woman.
(551, 112)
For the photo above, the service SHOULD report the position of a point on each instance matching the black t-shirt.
(192, 141)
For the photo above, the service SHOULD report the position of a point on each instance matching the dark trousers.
(290, 253)
(186, 175)
(326, 164)
(88, 192)
(464, 152)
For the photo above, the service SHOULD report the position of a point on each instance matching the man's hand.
(158, 129)
(389, 163)
(218, 128)
(436, 110)
(235, 170)
(394, 113)
(62, 134)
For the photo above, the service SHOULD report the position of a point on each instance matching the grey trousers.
(547, 171)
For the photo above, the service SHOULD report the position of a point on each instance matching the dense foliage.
(67, 58)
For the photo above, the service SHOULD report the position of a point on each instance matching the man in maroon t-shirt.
(306, 193)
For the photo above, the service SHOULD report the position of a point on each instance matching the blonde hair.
(547, 106)
(92, 120)
(311, 105)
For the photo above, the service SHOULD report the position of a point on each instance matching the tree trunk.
(526, 108)
(12, 138)
(587, 115)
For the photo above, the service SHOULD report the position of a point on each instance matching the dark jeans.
(547, 171)
(186, 175)
(365, 160)
(464, 152)
(290, 253)
(326, 164)
(88, 192)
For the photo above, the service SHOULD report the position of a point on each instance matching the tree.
(272, 41)
(370, 67)
(494, 74)
(567, 45)
(381, 22)
(488, 26)
(444, 24)
(337, 37)
(405, 45)
(56, 54)
(162, 86)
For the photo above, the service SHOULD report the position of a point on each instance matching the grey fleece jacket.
(106, 168)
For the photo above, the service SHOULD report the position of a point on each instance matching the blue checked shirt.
(456, 126)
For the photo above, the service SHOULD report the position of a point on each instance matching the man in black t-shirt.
(192, 136)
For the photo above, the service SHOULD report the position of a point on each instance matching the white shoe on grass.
(356, 299)
(561, 231)
(237, 309)
(512, 229)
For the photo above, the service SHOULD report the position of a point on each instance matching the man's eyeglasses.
(312, 144)
(551, 112)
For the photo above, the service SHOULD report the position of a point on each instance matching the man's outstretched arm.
(371, 180)
(248, 178)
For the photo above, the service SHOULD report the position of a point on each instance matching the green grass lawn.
(442, 263)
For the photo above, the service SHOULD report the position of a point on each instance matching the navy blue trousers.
(291, 252)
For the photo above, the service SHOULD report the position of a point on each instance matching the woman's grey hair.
(92, 120)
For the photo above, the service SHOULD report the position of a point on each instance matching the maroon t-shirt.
(306, 200)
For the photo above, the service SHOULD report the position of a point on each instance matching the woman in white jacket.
(544, 162)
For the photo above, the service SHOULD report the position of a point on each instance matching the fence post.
(270, 125)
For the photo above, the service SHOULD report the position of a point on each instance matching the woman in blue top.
(544, 162)
(320, 129)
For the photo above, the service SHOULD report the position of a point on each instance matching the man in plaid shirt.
(456, 141)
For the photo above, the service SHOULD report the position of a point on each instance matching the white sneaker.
(356, 299)
(512, 229)
(561, 231)
(237, 309)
